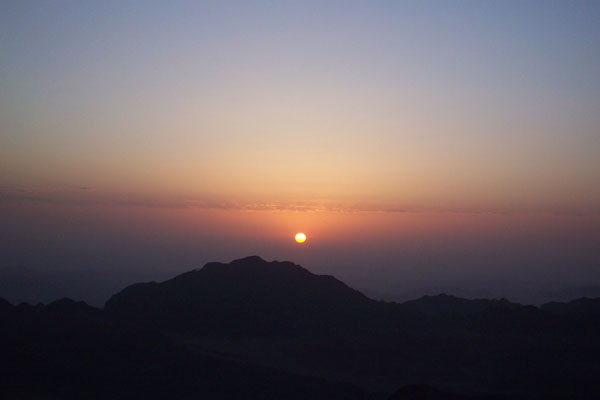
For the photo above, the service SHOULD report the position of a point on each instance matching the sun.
(300, 237)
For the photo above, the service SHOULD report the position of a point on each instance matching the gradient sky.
(434, 141)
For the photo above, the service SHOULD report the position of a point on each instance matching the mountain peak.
(249, 260)
(277, 297)
(254, 266)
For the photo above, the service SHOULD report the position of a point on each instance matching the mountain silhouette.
(246, 297)
(276, 330)
(70, 350)
(579, 307)
(280, 315)
(444, 305)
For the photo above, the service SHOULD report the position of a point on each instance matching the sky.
(417, 144)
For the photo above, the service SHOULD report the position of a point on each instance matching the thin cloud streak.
(82, 195)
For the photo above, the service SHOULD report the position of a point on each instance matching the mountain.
(248, 297)
(444, 305)
(70, 350)
(257, 329)
(280, 315)
(579, 307)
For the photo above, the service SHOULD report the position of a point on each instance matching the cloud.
(43, 188)
(7, 196)
(83, 195)
(42, 193)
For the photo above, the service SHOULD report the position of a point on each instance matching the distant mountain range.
(518, 292)
(273, 330)
(94, 284)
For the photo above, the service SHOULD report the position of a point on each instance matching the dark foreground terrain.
(253, 329)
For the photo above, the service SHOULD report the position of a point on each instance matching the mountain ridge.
(249, 289)
(282, 316)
